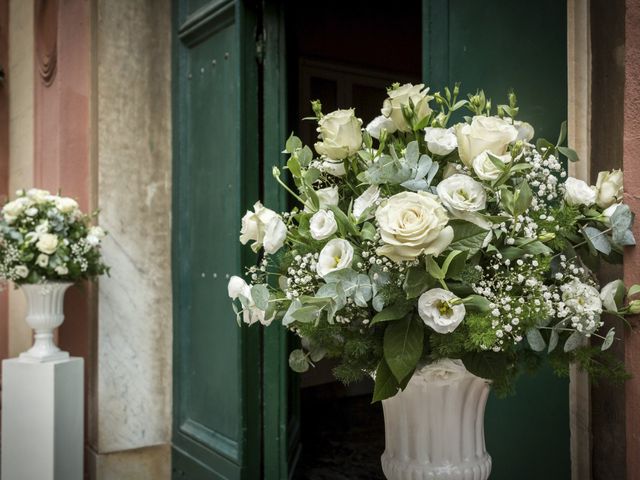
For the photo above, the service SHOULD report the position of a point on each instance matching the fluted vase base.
(434, 429)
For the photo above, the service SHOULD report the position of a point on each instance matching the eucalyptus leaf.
(260, 296)
(608, 340)
(298, 361)
(597, 239)
(536, 342)
(553, 341)
(633, 290)
(574, 341)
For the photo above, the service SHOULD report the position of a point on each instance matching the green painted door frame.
(216, 393)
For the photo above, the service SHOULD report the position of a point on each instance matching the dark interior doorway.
(345, 53)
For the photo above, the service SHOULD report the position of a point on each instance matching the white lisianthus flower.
(254, 227)
(365, 201)
(42, 227)
(464, 197)
(47, 243)
(31, 212)
(95, 236)
(577, 192)
(608, 294)
(251, 314)
(61, 270)
(340, 133)
(440, 141)
(492, 134)
(42, 260)
(398, 98)
(526, 131)
(609, 188)
(437, 310)
(323, 224)
(21, 271)
(485, 168)
(38, 195)
(275, 234)
(378, 124)
(335, 255)
(412, 224)
(333, 168)
(66, 204)
(581, 297)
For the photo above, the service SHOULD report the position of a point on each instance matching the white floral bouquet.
(46, 237)
(414, 240)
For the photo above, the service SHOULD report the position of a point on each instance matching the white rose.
(609, 188)
(37, 195)
(12, 210)
(440, 141)
(275, 233)
(333, 168)
(323, 224)
(464, 198)
(485, 168)
(42, 260)
(412, 224)
(254, 227)
(66, 204)
(365, 201)
(336, 255)
(398, 98)
(21, 271)
(61, 270)
(437, 311)
(378, 124)
(525, 130)
(577, 192)
(340, 134)
(484, 133)
(47, 243)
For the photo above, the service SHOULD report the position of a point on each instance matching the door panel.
(216, 379)
(498, 45)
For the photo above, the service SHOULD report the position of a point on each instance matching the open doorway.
(344, 54)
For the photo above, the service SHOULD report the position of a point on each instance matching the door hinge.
(260, 46)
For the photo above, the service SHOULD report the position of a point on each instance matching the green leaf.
(298, 361)
(260, 296)
(522, 198)
(448, 260)
(305, 156)
(393, 312)
(536, 342)
(417, 281)
(534, 248)
(434, 269)
(368, 231)
(570, 153)
(403, 343)
(608, 340)
(386, 385)
(345, 225)
(487, 365)
(467, 236)
(311, 176)
(294, 166)
(477, 302)
(563, 133)
(574, 341)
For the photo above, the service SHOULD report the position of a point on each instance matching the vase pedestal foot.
(42, 419)
(396, 469)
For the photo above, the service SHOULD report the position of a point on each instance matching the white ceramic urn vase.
(434, 429)
(45, 313)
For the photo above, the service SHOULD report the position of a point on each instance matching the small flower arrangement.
(46, 237)
(416, 240)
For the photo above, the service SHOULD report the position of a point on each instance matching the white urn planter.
(45, 313)
(434, 429)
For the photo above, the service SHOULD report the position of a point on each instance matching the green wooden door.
(217, 406)
(498, 45)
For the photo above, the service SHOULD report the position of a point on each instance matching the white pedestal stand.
(42, 419)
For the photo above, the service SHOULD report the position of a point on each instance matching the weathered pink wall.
(631, 164)
(62, 130)
(4, 158)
